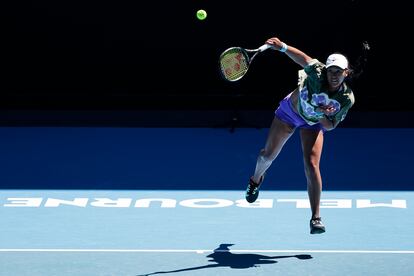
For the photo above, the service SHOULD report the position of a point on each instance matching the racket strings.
(233, 64)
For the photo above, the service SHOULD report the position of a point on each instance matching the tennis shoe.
(316, 226)
(252, 191)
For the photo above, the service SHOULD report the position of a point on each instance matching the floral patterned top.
(313, 92)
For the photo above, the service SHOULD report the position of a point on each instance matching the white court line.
(201, 251)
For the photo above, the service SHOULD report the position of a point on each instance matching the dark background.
(155, 55)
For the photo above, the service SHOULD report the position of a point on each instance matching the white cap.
(337, 60)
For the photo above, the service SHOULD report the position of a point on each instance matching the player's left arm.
(294, 53)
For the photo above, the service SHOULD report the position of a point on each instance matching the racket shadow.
(222, 257)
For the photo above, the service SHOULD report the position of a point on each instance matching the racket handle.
(264, 47)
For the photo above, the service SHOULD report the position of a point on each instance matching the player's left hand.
(328, 110)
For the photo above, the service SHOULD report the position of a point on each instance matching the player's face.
(336, 76)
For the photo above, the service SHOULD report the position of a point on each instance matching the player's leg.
(312, 144)
(279, 133)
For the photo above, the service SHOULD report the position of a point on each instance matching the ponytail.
(360, 62)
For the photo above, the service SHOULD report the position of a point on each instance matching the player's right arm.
(295, 54)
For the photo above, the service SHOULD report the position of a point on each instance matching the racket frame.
(248, 59)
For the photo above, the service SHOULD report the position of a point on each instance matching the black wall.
(143, 55)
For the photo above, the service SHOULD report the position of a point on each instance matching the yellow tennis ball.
(201, 14)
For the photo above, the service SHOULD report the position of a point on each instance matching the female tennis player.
(319, 103)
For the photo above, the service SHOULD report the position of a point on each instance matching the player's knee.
(311, 164)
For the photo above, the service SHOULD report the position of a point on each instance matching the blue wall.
(196, 158)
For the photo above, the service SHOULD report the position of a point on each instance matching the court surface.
(126, 201)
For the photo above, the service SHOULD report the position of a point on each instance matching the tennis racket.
(235, 61)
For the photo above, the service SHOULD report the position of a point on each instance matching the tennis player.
(319, 103)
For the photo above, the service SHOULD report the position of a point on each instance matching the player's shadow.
(222, 257)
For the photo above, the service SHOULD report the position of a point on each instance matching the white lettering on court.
(336, 203)
(206, 203)
(325, 203)
(165, 202)
(260, 203)
(106, 202)
(53, 202)
(195, 203)
(24, 202)
(395, 203)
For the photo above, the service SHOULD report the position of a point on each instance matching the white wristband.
(283, 48)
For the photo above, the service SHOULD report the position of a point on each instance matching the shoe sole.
(251, 201)
(317, 231)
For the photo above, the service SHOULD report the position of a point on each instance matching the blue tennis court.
(149, 201)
